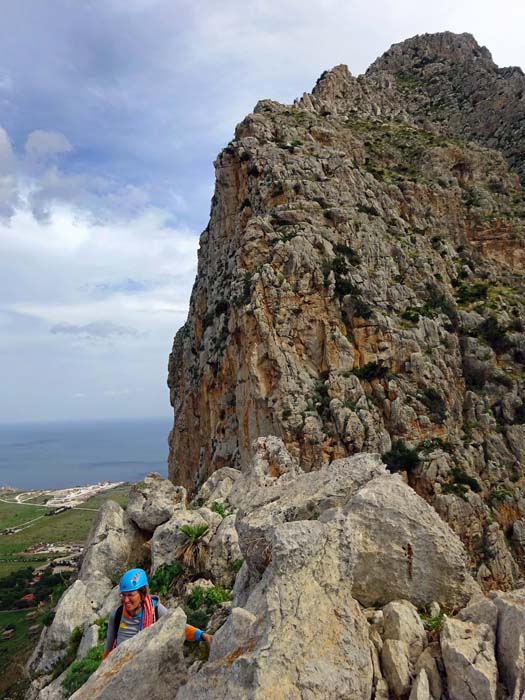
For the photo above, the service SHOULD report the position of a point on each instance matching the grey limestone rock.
(277, 647)
(469, 658)
(420, 687)
(90, 639)
(361, 284)
(296, 496)
(224, 550)
(79, 604)
(154, 501)
(511, 640)
(151, 665)
(396, 666)
(219, 485)
(427, 663)
(168, 536)
(402, 622)
(399, 548)
(114, 544)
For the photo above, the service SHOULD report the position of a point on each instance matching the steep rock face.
(360, 283)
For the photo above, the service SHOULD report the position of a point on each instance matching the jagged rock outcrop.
(511, 641)
(470, 662)
(449, 79)
(298, 625)
(79, 605)
(154, 501)
(113, 544)
(360, 289)
(150, 665)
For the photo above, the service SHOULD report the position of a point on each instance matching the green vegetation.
(411, 314)
(162, 580)
(467, 293)
(519, 415)
(202, 602)
(435, 443)
(19, 583)
(401, 458)
(349, 253)
(19, 646)
(498, 495)
(340, 267)
(81, 670)
(219, 508)
(438, 302)
(236, 565)
(320, 399)
(460, 482)
(435, 404)
(69, 656)
(395, 151)
(209, 597)
(432, 623)
(192, 552)
(370, 371)
(494, 334)
(367, 209)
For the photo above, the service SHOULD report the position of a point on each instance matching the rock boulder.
(154, 501)
(114, 544)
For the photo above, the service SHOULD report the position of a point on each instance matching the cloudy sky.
(111, 114)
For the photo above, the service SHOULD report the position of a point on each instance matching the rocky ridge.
(360, 289)
(330, 601)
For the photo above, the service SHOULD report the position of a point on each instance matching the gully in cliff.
(139, 610)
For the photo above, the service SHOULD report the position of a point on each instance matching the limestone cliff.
(360, 289)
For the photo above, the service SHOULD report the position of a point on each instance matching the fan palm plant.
(192, 552)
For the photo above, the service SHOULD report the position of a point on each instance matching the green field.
(69, 527)
(21, 639)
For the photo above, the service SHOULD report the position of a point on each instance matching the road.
(45, 505)
(28, 523)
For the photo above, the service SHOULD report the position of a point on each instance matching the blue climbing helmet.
(132, 580)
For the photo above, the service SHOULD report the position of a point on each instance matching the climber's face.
(131, 602)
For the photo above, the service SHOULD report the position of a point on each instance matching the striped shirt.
(131, 624)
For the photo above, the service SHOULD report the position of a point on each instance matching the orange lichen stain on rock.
(108, 671)
(500, 239)
(506, 514)
(246, 422)
(237, 653)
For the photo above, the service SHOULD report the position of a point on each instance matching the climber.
(139, 610)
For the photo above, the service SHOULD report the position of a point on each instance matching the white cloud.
(42, 144)
(136, 274)
(8, 178)
(103, 221)
(97, 330)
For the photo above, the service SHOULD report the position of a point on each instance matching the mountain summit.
(360, 289)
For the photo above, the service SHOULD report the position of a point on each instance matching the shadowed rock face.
(360, 283)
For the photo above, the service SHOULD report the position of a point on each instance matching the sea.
(65, 454)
